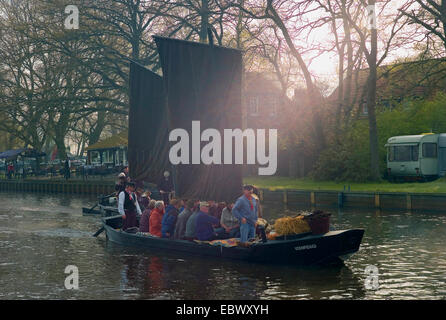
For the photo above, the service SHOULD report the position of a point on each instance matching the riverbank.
(287, 183)
(95, 187)
(425, 196)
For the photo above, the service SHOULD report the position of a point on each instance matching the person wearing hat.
(128, 206)
(245, 210)
(120, 185)
(204, 229)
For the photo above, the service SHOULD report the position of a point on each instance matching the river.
(41, 234)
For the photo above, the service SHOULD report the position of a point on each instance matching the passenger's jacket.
(204, 230)
(155, 221)
(180, 227)
(169, 221)
(243, 208)
(191, 224)
(144, 221)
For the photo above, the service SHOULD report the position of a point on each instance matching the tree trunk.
(239, 27)
(204, 21)
(61, 149)
(95, 133)
(371, 105)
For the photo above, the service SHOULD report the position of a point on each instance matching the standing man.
(166, 187)
(245, 210)
(125, 171)
(10, 170)
(120, 185)
(67, 169)
(128, 207)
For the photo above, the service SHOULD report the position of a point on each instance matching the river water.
(41, 234)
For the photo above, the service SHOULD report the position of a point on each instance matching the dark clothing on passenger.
(143, 202)
(204, 227)
(130, 220)
(169, 221)
(216, 211)
(167, 186)
(180, 227)
(129, 202)
(144, 221)
(191, 225)
(119, 187)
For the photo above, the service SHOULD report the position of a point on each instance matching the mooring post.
(341, 199)
(409, 201)
(312, 199)
(285, 196)
(377, 204)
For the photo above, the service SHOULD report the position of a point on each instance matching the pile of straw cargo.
(316, 222)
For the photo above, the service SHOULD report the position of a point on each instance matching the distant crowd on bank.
(186, 219)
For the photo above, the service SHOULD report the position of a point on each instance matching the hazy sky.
(325, 66)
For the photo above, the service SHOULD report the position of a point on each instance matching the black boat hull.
(105, 211)
(90, 211)
(310, 249)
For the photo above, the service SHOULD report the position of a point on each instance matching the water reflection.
(41, 234)
(158, 275)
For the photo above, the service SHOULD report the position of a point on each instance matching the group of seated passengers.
(190, 219)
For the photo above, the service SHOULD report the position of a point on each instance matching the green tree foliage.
(348, 159)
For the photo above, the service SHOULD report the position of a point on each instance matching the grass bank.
(277, 183)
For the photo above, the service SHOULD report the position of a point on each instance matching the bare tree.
(429, 14)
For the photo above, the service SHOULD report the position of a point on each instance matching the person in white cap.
(120, 185)
(166, 187)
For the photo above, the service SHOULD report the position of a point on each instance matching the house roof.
(24, 152)
(116, 141)
(261, 83)
(407, 79)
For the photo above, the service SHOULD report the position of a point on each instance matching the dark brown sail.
(148, 132)
(203, 83)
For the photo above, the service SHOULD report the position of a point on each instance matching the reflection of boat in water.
(307, 249)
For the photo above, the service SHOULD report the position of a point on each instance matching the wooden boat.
(332, 246)
(105, 211)
(91, 211)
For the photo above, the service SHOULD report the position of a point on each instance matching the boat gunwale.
(331, 233)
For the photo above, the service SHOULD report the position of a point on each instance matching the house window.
(365, 110)
(429, 150)
(107, 156)
(274, 104)
(95, 158)
(253, 106)
(124, 161)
